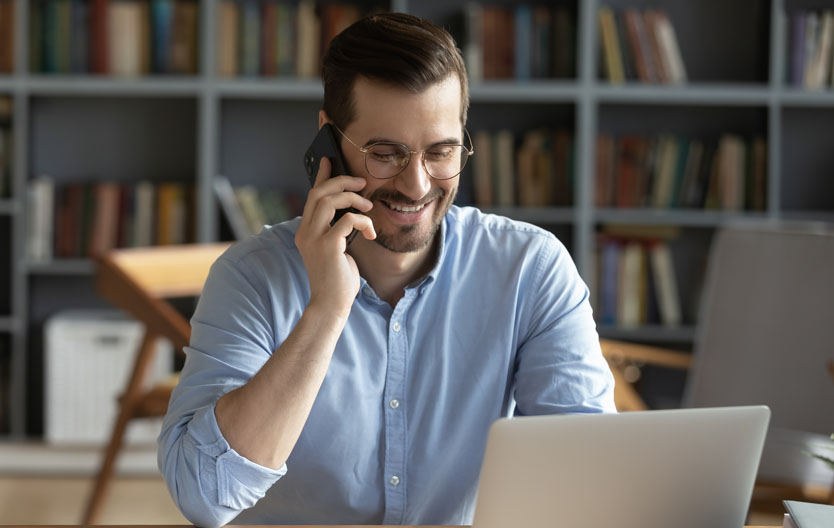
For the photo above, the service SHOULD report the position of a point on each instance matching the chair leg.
(126, 412)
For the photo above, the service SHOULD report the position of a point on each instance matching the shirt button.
(394, 404)
(396, 327)
(394, 480)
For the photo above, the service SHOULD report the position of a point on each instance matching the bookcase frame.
(587, 97)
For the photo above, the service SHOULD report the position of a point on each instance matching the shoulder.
(273, 248)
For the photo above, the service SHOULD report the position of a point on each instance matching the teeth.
(402, 209)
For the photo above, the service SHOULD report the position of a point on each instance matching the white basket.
(89, 357)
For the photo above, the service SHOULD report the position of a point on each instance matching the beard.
(413, 237)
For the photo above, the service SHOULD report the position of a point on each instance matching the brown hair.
(395, 48)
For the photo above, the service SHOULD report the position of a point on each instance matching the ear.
(323, 118)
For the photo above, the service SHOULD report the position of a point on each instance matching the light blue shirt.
(501, 326)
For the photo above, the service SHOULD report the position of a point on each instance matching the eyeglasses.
(386, 160)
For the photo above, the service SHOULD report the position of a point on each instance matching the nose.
(414, 182)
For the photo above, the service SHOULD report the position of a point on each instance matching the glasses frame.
(467, 153)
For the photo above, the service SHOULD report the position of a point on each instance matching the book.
(631, 283)
(810, 515)
(610, 44)
(307, 46)
(797, 55)
(247, 199)
(144, 207)
(669, 50)
(40, 197)
(7, 36)
(473, 53)
(665, 281)
(482, 165)
(227, 64)
(124, 53)
(231, 209)
(604, 188)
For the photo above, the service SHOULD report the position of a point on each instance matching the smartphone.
(325, 145)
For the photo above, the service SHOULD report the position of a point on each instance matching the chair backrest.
(766, 336)
(138, 280)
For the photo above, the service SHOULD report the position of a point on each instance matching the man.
(328, 383)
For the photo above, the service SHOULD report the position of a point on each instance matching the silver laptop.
(686, 468)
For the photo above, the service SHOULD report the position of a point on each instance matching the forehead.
(391, 111)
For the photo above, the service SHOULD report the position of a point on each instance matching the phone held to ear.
(325, 145)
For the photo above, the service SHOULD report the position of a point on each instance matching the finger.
(351, 221)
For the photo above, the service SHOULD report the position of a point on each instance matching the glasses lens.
(385, 160)
(445, 161)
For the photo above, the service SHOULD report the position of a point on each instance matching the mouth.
(407, 209)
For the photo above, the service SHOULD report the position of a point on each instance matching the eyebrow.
(446, 141)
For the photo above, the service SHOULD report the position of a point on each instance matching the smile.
(405, 209)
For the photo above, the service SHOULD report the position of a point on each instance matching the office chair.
(141, 281)
(766, 336)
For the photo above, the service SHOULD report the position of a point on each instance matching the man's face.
(393, 115)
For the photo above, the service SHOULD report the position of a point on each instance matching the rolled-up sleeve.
(209, 481)
(559, 365)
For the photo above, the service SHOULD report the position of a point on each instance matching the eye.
(440, 153)
(387, 153)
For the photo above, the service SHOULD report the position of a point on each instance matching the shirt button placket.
(395, 419)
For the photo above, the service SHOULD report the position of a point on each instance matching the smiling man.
(336, 383)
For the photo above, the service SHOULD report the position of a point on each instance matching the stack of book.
(7, 36)
(248, 209)
(114, 37)
(5, 147)
(639, 46)
(669, 171)
(811, 54)
(278, 38)
(78, 220)
(536, 172)
(636, 282)
(520, 42)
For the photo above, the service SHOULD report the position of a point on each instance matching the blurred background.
(634, 130)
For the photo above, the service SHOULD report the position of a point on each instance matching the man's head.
(395, 78)
(391, 48)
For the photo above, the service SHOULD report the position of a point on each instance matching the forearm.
(263, 419)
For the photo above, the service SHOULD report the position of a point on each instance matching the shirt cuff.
(240, 483)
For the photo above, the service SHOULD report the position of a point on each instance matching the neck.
(388, 272)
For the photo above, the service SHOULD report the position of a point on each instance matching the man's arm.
(291, 379)
(560, 367)
(220, 458)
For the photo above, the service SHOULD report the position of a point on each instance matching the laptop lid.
(655, 469)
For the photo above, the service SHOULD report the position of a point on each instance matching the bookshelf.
(251, 129)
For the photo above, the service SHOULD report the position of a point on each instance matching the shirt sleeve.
(230, 341)
(559, 364)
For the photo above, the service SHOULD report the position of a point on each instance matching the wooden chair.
(140, 281)
(765, 337)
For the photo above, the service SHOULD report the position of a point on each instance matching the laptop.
(683, 468)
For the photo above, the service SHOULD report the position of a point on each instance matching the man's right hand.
(333, 275)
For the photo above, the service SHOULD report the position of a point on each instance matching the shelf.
(649, 333)
(691, 94)
(680, 217)
(61, 267)
(536, 91)
(65, 85)
(536, 215)
(800, 97)
(8, 207)
(279, 89)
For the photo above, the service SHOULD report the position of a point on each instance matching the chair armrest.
(619, 351)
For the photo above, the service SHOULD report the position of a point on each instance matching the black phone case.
(325, 145)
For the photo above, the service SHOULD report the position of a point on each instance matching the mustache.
(387, 195)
